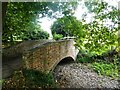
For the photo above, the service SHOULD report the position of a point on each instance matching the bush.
(35, 35)
(36, 78)
(57, 36)
(84, 57)
(106, 69)
(28, 78)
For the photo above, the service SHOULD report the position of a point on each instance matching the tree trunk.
(4, 8)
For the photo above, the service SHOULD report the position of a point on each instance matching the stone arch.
(64, 60)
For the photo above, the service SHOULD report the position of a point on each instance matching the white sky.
(46, 22)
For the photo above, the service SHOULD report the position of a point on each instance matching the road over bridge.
(37, 55)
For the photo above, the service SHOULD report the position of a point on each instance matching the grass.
(30, 79)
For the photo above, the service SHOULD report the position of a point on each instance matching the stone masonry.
(47, 56)
(39, 55)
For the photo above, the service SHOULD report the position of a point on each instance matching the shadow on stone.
(66, 60)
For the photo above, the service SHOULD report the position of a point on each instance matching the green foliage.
(21, 18)
(67, 26)
(28, 78)
(84, 57)
(106, 69)
(1, 81)
(103, 11)
(37, 78)
(57, 36)
(34, 34)
(107, 64)
(64, 8)
(99, 38)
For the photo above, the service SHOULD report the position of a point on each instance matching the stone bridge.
(37, 55)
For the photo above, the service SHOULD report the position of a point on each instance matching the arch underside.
(65, 60)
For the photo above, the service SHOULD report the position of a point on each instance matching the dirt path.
(76, 75)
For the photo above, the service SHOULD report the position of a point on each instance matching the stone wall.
(12, 56)
(40, 55)
(47, 56)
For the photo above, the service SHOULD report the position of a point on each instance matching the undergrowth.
(28, 78)
(103, 65)
(106, 69)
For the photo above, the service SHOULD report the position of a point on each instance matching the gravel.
(77, 75)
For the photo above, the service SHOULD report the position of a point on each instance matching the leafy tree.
(59, 9)
(98, 37)
(67, 26)
(20, 15)
(34, 33)
(103, 12)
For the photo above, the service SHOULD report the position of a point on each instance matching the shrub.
(28, 78)
(83, 57)
(106, 69)
(36, 78)
(57, 36)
